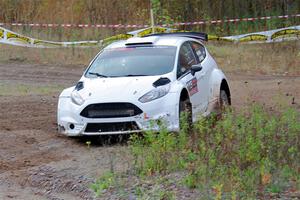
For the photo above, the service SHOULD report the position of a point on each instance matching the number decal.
(192, 86)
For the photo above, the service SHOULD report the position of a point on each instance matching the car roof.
(153, 40)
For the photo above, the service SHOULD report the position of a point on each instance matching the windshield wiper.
(135, 75)
(98, 75)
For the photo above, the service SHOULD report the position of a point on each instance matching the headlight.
(76, 98)
(155, 93)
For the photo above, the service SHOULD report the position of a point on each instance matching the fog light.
(72, 126)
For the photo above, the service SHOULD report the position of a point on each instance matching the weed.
(156, 192)
(88, 143)
(241, 155)
(103, 183)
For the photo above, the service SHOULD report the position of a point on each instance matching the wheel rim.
(224, 101)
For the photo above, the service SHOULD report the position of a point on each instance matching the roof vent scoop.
(141, 41)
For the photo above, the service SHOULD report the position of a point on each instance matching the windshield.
(133, 61)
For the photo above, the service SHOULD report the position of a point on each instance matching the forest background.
(138, 12)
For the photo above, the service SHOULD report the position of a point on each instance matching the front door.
(187, 58)
(202, 76)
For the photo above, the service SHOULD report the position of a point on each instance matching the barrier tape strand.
(219, 21)
(276, 35)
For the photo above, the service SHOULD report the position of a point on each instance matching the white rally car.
(135, 84)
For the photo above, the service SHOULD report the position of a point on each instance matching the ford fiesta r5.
(130, 85)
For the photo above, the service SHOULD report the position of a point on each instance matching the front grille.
(110, 110)
(111, 127)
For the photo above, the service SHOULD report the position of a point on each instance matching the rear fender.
(215, 84)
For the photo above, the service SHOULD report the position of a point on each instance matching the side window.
(186, 59)
(199, 50)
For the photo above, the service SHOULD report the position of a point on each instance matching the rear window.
(134, 61)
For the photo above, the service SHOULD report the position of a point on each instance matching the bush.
(243, 155)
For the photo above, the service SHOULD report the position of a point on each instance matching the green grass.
(103, 183)
(243, 155)
(125, 187)
(58, 56)
(23, 89)
(275, 58)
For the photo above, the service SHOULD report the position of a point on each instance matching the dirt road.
(37, 163)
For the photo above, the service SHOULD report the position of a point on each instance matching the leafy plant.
(104, 182)
(240, 155)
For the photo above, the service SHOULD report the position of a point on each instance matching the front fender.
(66, 92)
(177, 88)
(63, 105)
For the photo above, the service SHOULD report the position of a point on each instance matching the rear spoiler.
(194, 35)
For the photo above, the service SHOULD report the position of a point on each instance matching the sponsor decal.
(286, 33)
(289, 33)
(217, 38)
(1, 33)
(213, 37)
(9, 37)
(253, 37)
(17, 37)
(109, 40)
(46, 43)
(148, 31)
(192, 86)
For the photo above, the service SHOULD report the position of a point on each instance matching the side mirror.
(195, 68)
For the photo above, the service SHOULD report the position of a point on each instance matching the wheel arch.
(224, 86)
(217, 82)
(184, 95)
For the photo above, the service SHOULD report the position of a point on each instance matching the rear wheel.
(185, 114)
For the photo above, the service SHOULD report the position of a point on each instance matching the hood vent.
(161, 81)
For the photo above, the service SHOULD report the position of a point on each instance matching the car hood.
(117, 89)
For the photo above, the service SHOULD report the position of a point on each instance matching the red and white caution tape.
(145, 26)
(75, 25)
(232, 20)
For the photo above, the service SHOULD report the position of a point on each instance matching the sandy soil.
(38, 163)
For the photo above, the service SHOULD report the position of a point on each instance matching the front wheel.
(185, 115)
(224, 100)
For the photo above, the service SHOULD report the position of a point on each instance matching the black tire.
(224, 100)
(185, 106)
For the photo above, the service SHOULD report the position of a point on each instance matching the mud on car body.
(134, 83)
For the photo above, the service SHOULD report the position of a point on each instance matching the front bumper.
(160, 111)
